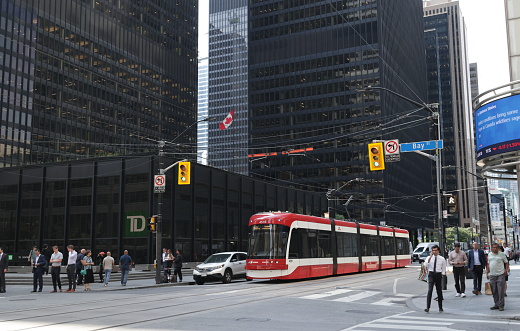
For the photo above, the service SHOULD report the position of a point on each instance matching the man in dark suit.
(38, 263)
(3, 269)
(476, 264)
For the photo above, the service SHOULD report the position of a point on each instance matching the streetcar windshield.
(268, 241)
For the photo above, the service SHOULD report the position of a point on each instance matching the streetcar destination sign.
(422, 146)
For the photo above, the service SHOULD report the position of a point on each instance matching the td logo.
(135, 224)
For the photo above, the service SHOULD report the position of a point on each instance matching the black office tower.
(83, 78)
(310, 123)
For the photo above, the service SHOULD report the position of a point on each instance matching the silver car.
(221, 266)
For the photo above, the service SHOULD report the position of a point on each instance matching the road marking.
(398, 323)
(226, 292)
(358, 296)
(324, 295)
(395, 285)
(410, 327)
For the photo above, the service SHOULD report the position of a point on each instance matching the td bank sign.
(135, 224)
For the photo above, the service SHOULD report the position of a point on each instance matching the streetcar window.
(268, 241)
(387, 246)
(309, 243)
(369, 245)
(347, 244)
(402, 246)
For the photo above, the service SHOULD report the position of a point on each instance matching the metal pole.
(158, 225)
(505, 221)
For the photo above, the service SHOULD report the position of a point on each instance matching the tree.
(465, 235)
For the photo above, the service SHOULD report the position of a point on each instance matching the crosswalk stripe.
(326, 294)
(391, 320)
(358, 296)
(408, 327)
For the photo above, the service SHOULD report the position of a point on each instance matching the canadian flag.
(227, 121)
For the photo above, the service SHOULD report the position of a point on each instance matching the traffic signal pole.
(158, 225)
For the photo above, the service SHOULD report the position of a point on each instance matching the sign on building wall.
(135, 224)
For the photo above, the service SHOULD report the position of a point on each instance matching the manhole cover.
(246, 319)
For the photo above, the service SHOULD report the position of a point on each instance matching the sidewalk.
(136, 280)
(475, 305)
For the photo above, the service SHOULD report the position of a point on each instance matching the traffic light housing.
(376, 156)
(152, 224)
(184, 175)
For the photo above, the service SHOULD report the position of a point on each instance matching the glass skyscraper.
(202, 113)
(83, 78)
(228, 90)
(449, 85)
(308, 63)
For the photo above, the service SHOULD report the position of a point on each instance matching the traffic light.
(184, 173)
(376, 156)
(152, 225)
(451, 203)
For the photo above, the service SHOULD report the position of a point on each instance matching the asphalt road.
(371, 301)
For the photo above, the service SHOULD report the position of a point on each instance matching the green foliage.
(465, 235)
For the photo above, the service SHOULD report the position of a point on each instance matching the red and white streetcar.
(293, 246)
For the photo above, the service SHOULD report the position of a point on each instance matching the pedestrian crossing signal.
(184, 177)
(376, 156)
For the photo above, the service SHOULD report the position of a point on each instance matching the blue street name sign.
(421, 146)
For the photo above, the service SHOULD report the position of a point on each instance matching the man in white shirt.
(436, 269)
(71, 268)
(108, 265)
(55, 261)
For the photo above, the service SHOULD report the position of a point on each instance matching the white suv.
(221, 266)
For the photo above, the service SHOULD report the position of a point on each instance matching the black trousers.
(38, 279)
(56, 281)
(71, 274)
(434, 279)
(178, 272)
(459, 274)
(2, 280)
(79, 277)
(477, 277)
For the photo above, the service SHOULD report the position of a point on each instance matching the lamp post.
(162, 171)
(435, 115)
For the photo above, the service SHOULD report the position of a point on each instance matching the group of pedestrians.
(496, 266)
(79, 267)
(169, 262)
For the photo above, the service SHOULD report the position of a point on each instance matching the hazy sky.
(486, 32)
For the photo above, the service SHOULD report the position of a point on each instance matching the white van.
(422, 251)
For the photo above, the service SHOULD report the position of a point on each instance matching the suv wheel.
(228, 275)
(200, 281)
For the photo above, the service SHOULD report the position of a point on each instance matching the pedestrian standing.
(125, 262)
(32, 254)
(168, 260)
(79, 266)
(177, 265)
(55, 261)
(476, 264)
(496, 271)
(47, 252)
(4, 263)
(436, 269)
(507, 275)
(459, 260)
(100, 258)
(71, 268)
(38, 266)
(108, 265)
(88, 263)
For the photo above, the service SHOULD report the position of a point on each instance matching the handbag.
(83, 272)
(488, 288)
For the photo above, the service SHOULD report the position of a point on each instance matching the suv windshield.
(217, 258)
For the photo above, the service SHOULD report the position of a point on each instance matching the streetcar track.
(163, 299)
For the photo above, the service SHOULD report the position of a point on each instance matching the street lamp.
(162, 171)
(437, 157)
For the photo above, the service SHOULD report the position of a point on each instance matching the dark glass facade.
(307, 61)
(84, 78)
(102, 204)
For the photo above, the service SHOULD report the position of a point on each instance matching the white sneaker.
(462, 295)
(457, 295)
